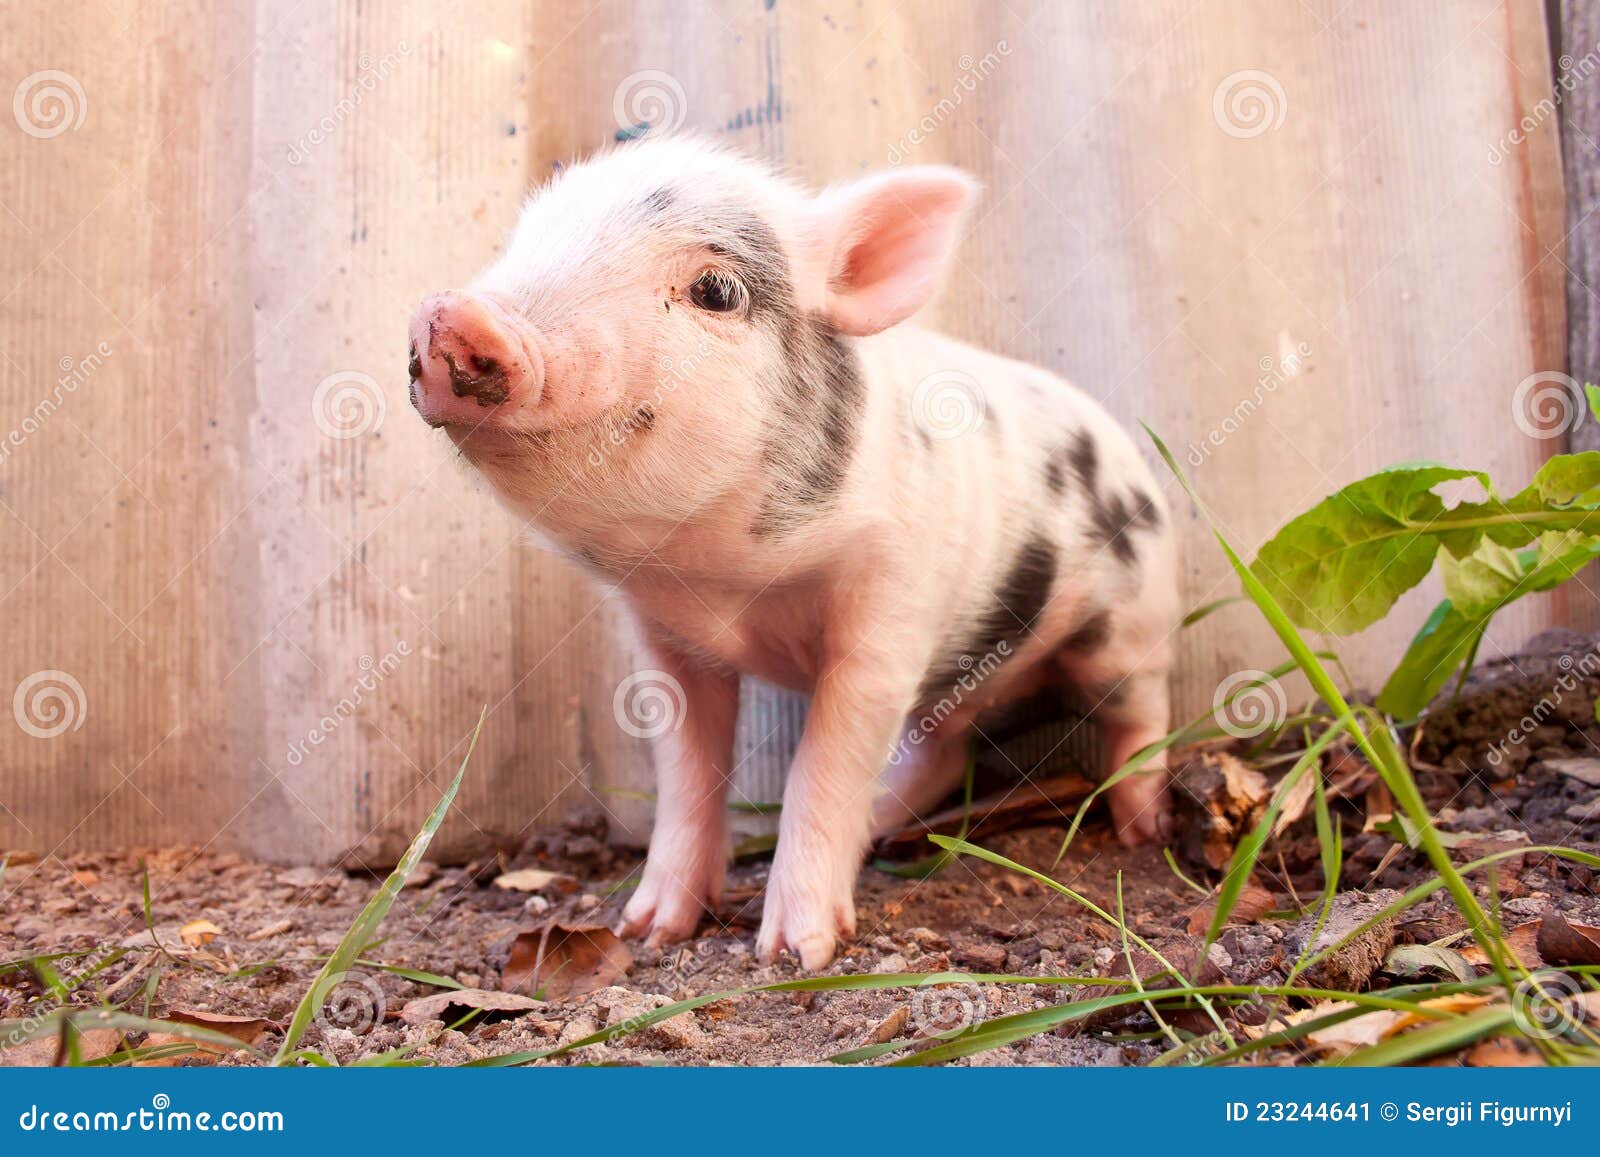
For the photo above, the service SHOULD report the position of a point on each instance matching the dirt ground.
(244, 939)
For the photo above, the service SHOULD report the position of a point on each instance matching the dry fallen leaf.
(1562, 942)
(559, 960)
(198, 933)
(44, 1051)
(1372, 1028)
(1253, 903)
(1348, 1035)
(1247, 787)
(537, 880)
(452, 1005)
(247, 1030)
(1523, 940)
(1294, 804)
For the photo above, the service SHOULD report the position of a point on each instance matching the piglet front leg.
(683, 874)
(857, 711)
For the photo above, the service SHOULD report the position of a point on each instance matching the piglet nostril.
(414, 367)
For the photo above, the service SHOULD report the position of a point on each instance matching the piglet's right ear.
(887, 239)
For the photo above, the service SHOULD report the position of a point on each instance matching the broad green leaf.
(1340, 566)
(1478, 586)
(1437, 652)
(1565, 480)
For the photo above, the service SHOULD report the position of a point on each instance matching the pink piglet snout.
(471, 357)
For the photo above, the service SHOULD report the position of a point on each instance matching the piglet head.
(675, 287)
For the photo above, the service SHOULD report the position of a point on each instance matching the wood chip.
(1583, 770)
(452, 1005)
(276, 928)
(892, 1026)
(537, 880)
(198, 933)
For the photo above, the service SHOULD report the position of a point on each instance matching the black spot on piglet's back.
(1112, 520)
(1021, 598)
(1023, 594)
(1084, 457)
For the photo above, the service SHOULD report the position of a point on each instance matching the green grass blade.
(1248, 850)
(360, 934)
(1378, 746)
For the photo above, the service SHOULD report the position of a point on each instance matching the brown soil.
(272, 922)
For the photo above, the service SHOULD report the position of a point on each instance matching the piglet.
(696, 379)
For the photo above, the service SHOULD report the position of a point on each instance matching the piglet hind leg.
(684, 871)
(1134, 713)
(1122, 681)
(858, 709)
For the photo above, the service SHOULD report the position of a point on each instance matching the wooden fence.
(248, 599)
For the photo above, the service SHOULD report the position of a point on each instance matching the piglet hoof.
(663, 913)
(812, 935)
(1141, 809)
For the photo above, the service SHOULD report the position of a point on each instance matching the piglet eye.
(717, 292)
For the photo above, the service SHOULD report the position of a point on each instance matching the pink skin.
(686, 453)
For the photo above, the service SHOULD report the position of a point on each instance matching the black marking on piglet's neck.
(812, 439)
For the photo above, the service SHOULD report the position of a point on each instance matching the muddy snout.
(471, 359)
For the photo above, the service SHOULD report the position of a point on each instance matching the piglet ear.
(887, 239)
